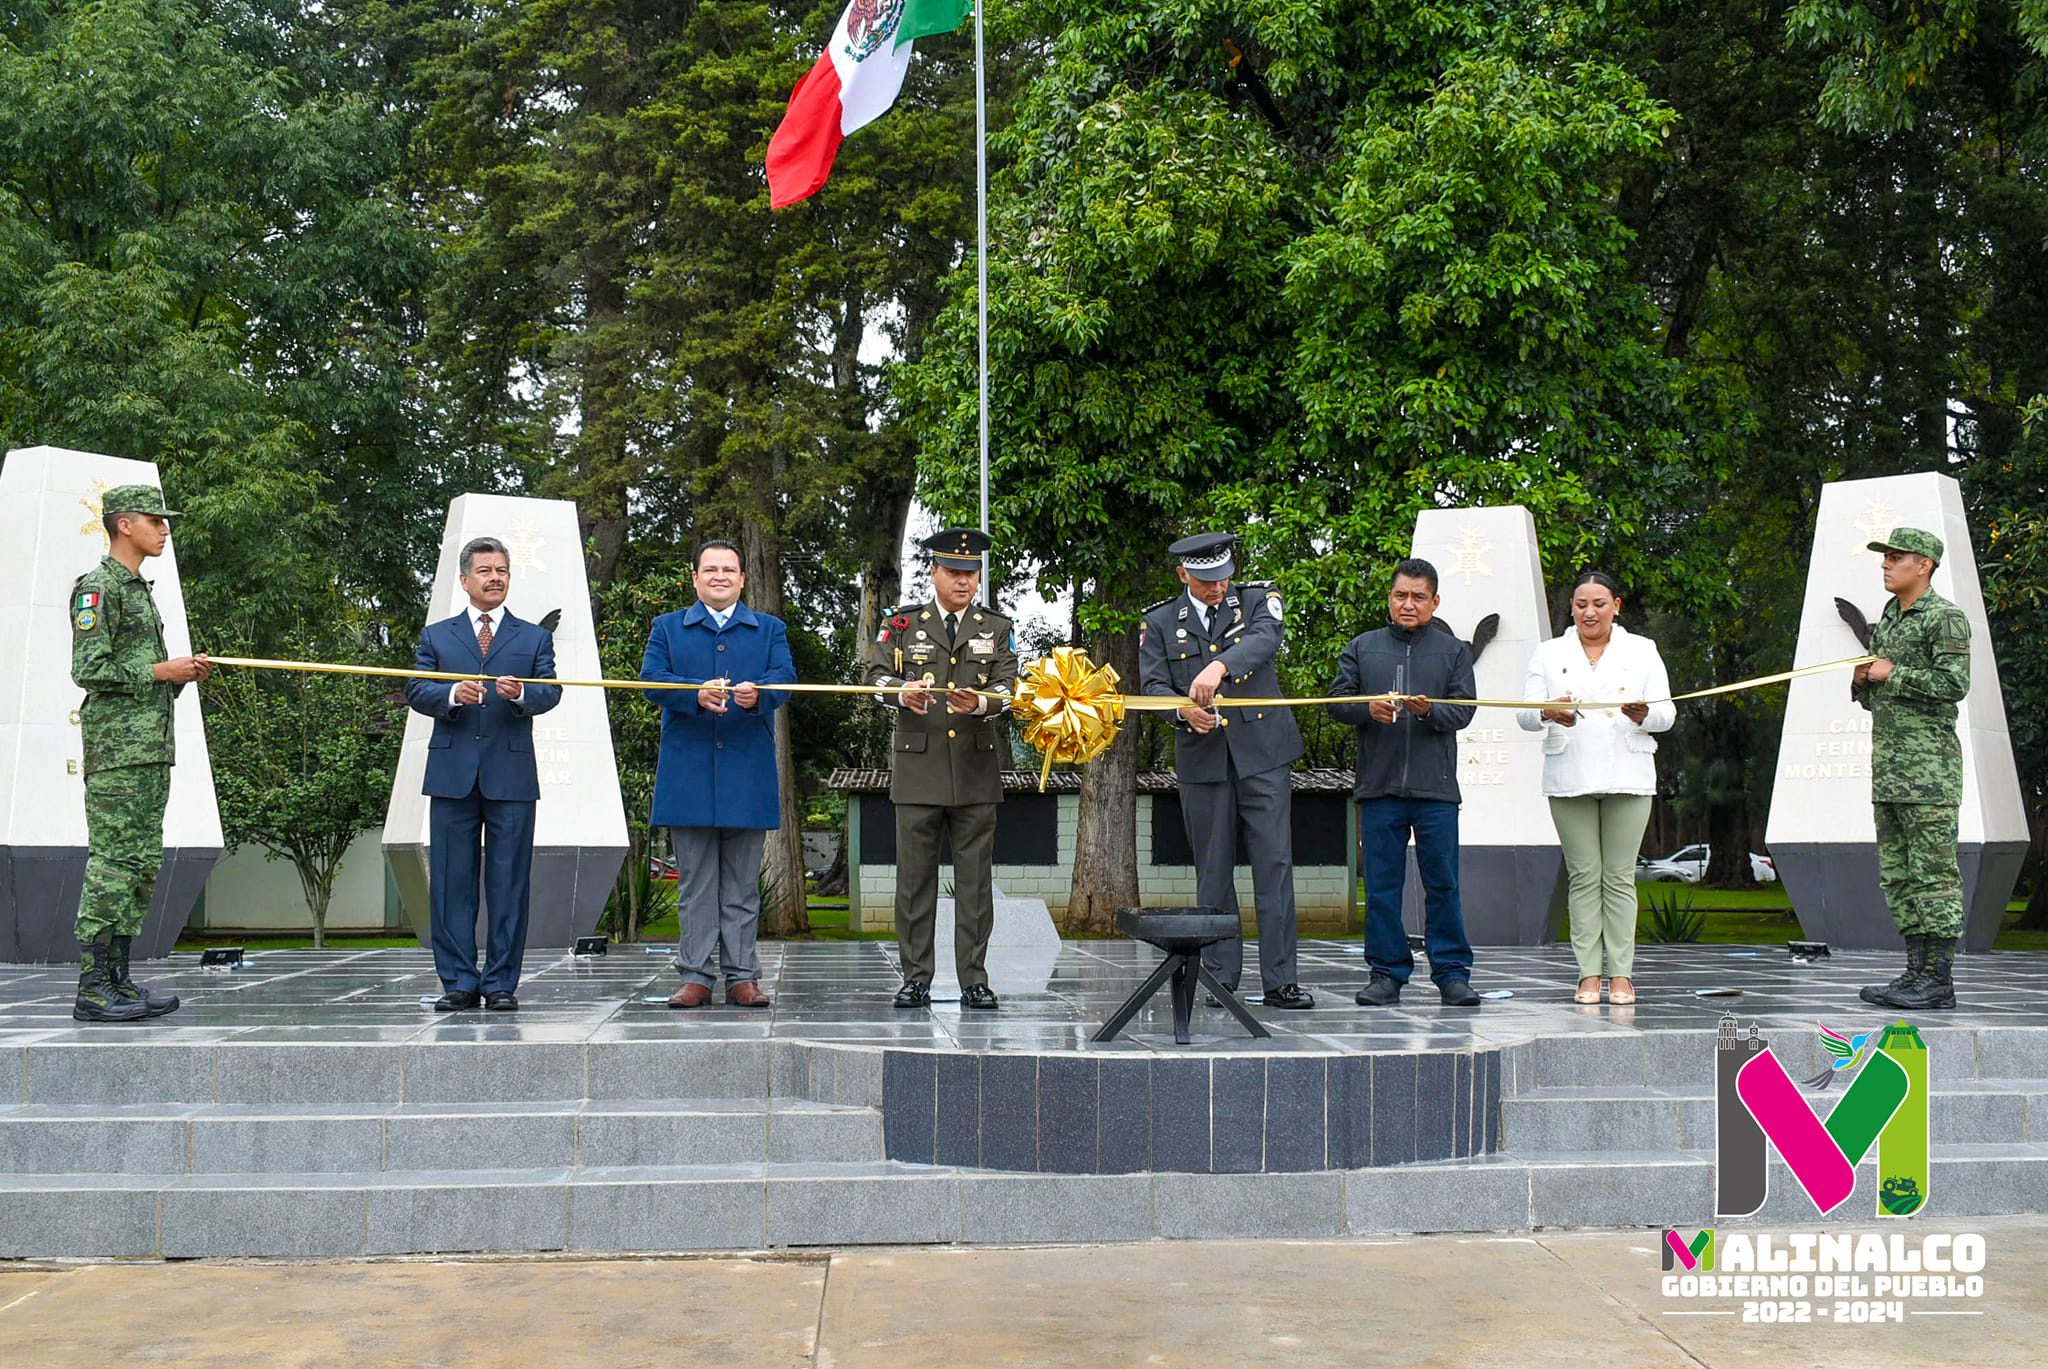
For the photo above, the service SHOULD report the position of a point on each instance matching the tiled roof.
(872, 781)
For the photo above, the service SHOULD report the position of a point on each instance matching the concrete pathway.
(1545, 1299)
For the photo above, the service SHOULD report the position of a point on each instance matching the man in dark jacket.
(1408, 783)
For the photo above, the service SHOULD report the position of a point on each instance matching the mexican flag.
(854, 83)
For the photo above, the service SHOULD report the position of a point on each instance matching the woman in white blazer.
(1600, 772)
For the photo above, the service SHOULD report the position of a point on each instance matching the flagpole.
(981, 263)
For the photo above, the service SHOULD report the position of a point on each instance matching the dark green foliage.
(1656, 271)
(1671, 917)
(302, 763)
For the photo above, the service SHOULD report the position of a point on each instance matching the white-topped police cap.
(958, 548)
(1207, 555)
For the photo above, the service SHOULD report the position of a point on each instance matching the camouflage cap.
(1911, 539)
(136, 499)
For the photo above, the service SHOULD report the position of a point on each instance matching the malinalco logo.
(1694, 1256)
(1756, 1101)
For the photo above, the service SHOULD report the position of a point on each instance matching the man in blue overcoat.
(715, 787)
(481, 777)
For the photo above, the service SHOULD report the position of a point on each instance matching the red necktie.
(483, 635)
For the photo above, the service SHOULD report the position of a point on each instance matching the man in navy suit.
(481, 777)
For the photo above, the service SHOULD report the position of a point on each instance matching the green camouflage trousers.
(1916, 866)
(124, 822)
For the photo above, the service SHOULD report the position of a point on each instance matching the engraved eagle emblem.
(869, 24)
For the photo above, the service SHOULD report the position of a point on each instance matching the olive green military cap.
(1919, 542)
(136, 499)
(958, 548)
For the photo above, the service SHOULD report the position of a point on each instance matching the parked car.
(1688, 865)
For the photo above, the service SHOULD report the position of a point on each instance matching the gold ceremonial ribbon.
(1070, 705)
(1136, 703)
(1072, 709)
(1161, 702)
(394, 673)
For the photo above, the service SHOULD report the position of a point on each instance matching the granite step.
(193, 1065)
(680, 1208)
(215, 1138)
(1605, 1056)
(1590, 1120)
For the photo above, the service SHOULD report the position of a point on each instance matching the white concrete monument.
(50, 534)
(1821, 833)
(580, 825)
(1490, 577)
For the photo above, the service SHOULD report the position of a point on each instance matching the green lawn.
(1763, 916)
(1737, 917)
(828, 923)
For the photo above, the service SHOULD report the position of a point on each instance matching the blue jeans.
(1383, 828)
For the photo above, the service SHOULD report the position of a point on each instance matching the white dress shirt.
(476, 618)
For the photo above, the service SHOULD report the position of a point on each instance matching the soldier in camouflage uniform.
(1916, 765)
(118, 658)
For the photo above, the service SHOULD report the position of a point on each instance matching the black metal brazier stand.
(1181, 933)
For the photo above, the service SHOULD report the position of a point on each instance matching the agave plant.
(1671, 916)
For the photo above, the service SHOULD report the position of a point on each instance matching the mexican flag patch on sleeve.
(87, 598)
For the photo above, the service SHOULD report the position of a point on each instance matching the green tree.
(204, 263)
(1374, 266)
(1848, 243)
(620, 309)
(636, 734)
(302, 764)
(201, 264)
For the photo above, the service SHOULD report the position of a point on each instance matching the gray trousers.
(919, 829)
(718, 902)
(1262, 806)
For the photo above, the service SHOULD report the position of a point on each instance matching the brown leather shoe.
(747, 995)
(690, 996)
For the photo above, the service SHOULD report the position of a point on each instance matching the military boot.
(98, 1000)
(157, 1003)
(1916, 969)
(1936, 986)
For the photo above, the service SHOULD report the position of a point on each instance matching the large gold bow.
(1070, 706)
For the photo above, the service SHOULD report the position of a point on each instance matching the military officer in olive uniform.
(1916, 765)
(118, 658)
(1233, 763)
(946, 759)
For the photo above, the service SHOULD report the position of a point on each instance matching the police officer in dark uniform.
(1233, 763)
(946, 759)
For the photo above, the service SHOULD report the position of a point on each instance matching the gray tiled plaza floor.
(312, 1103)
(839, 992)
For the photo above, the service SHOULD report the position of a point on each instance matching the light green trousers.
(1601, 835)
